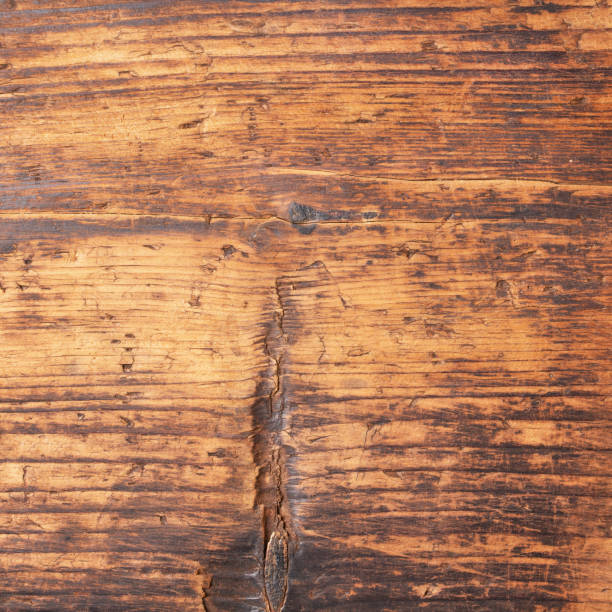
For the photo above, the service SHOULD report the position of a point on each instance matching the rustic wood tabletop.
(304, 305)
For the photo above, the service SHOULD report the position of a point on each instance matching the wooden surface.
(304, 305)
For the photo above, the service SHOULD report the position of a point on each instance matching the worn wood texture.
(305, 305)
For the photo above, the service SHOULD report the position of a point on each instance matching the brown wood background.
(304, 305)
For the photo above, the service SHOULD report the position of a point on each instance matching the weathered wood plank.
(305, 305)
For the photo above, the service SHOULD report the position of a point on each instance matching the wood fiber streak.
(305, 305)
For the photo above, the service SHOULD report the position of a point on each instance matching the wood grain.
(305, 305)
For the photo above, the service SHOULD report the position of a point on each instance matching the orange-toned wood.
(305, 305)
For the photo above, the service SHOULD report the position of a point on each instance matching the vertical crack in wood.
(206, 582)
(269, 456)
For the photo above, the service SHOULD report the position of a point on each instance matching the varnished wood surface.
(305, 305)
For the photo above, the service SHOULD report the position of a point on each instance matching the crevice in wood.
(206, 583)
(269, 455)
